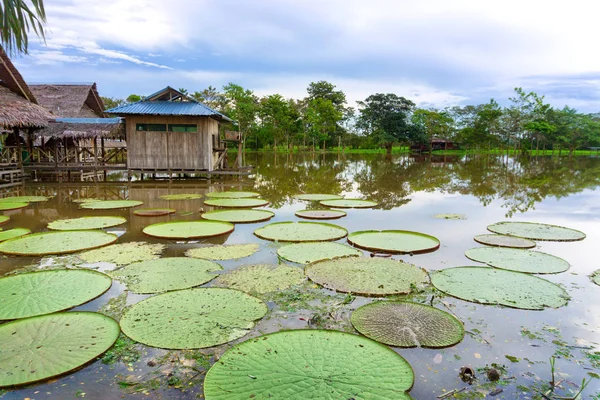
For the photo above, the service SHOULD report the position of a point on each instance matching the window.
(151, 127)
(183, 128)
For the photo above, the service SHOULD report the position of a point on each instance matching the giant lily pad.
(124, 253)
(38, 348)
(153, 212)
(232, 195)
(110, 204)
(223, 252)
(309, 364)
(349, 203)
(188, 229)
(531, 262)
(320, 214)
(535, 231)
(504, 241)
(61, 242)
(368, 276)
(166, 274)
(261, 278)
(401, 242)
(300, 232)
(185, 196)
(4, 219)
(13, 233)
(239, 216)
(24, 199)
(596, 277)
(495, 286)
(83, 223)
(6, 206)
(406, 324)
(86, 200)
(306, 253)
(45, 292)
(192, 318)
(318, 197)
(236, 203)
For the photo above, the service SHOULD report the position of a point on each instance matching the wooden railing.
(60, 156)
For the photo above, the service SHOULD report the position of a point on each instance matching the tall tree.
(212, 98)
(17, 19)
(111, 102)
(133, 98)
(242, 107)
(322, 118)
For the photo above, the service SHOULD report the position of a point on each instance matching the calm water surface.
(409, 190)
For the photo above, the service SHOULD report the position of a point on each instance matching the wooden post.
(95, 158)
(19, 152)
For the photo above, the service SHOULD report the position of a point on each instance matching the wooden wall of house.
(170, 150)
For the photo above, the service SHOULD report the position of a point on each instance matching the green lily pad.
(321, 214)
(124, 253)
(366, 276)
(88, 200)
(13, 233)
(60, 242)
(407, 324)
(261, 278)
(318, 197)
(301, 232)
(450, 216)
(185, 196)
(83, 223)
(153, 212)
(236, 203)
(397, 242)
(24, 199)
(45, 292)
(596, 277)
(6, 206)
(504, 241)
(39, 348)
(188, 229)
(192, 318)
(110, 204)
(306, 253)
(166, 274)
(223, 252)
(239, 216)
(530, 262)
(499, 287)
(4, 219)
(232, 195)
(309, 364)
(349, 203)
(535, 231)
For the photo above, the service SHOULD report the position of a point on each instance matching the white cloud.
(54, 57)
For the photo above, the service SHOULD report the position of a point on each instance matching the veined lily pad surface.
(6, 206)
(13, 233)
(261, 278)
(349, 203)
(124, 253)
(185, 196)
(86, 223)
(407, 324)
(153, 212)
(596, 277)
(368, 276)
(239, 216)
(223, 252)
(24, 199)
(45, 292)
(192, 318)
(88, 200)
(531, 262)
(166, 274)
(321, 214)
(188, 229)
(309, 364)
(318, 197)
(450, 216)
(232, 195)
(536, 231)
(110, 204)
(38, 348)
(61, 242)
(306, 253)
(401, 242)
(236, 203)
(495, 286)
(301, 232)
(504, 241)
(4, 219)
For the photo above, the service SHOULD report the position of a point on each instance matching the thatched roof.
(70, 100)
(83, 128)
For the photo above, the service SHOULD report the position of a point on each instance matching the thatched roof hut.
(70, 100)
(85, 128)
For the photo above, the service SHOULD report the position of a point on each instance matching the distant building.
(434, 144)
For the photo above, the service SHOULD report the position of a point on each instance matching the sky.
(437, 53)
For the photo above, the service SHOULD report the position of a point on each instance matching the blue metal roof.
(167, 108)
(90, 120)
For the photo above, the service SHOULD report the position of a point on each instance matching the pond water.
(409, 190)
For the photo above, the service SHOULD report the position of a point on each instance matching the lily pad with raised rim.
(153, 212)
(318, 197)
(223, 252)
(45, 292)
(504, 241)
(24, 199)
(595, 277)
(349, 203)
(184, 196)
(232, 195)
(84, 223)
(236, 203)
(166, 274)
(487, 285)
(38, 348)
(309, 364)
(261, 278)
(110, 204)
(301, 232)
(59, 242)
(124, 253)
(6, 206)
(366, 276)
(13, 233)
(239, 216)
(537, 231)
(407, 324)
(188, 229)
(527, 261)
(306, 253)
(4, 219)
(192, 318)
(394, 241)
(321, 214)
(88, 200)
